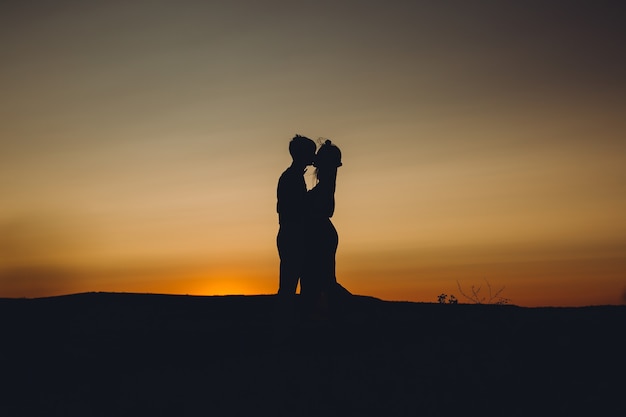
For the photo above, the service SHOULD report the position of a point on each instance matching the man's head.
(302, 150)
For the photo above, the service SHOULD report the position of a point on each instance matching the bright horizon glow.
(141, 145)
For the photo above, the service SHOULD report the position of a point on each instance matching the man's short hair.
(301, 147)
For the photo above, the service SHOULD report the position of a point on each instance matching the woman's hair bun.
(327, 142)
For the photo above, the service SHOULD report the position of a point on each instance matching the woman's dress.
(320, 282)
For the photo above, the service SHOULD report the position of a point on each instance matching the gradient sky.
(141, 143)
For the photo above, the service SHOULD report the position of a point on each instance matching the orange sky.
(141, 143)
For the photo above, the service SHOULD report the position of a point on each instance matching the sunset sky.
(141, 143)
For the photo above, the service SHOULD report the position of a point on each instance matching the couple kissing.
(307, 239)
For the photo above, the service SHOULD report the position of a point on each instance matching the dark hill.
(103, 354)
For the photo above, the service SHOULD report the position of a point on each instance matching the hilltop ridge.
(121, 354)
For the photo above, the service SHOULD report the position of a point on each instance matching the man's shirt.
(291, 193)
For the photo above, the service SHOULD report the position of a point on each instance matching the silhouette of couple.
(307, 239)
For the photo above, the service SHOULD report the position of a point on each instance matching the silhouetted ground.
(102, 354)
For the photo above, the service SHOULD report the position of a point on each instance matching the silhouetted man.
(293, 215)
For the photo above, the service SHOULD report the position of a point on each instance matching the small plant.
(477, 298)
(445, 299)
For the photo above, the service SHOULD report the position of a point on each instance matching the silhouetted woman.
(319, 287)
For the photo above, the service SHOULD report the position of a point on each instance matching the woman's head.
(328, 156)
